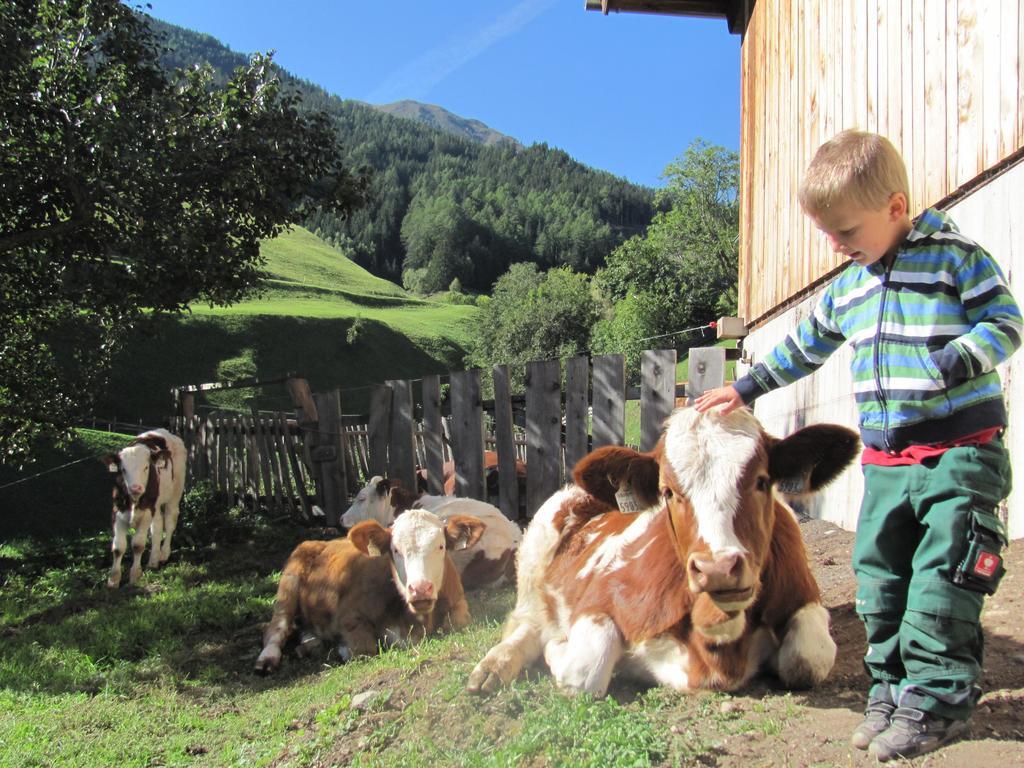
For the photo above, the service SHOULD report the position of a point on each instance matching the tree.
(701, 228)
(127, 191)
(683, 272)
(534, 315)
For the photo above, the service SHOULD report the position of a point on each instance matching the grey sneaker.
(913, 732)
(876, 719)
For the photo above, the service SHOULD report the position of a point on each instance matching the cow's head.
(373, 502)
(717, 476)
(136, 466)
(417, 546)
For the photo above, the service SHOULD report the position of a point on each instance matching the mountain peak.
(441, 118)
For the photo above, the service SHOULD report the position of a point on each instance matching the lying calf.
(682, 566)
(377, 586)
(490, 562)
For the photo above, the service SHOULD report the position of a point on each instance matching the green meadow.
(321, 316)
(161, 674)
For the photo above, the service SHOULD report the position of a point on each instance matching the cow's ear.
(113, 465)
(812, 457)
(161, 458)
(370, 538)
(383, 487)
(607, 470)
(463, 531)
(402, 500)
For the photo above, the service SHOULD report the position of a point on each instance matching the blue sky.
(626, 93)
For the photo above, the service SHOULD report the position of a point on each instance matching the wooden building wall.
(942, 79)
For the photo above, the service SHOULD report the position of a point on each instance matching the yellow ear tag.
(626, 500)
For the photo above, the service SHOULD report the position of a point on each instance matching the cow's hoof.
(488, 676)
(808, 651)
(482, 682)
(113, 583)
(309, 644)
(268, 660)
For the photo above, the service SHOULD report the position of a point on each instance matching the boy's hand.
(727, 395)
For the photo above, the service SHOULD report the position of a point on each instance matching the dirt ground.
(815, 725)
(997, 729)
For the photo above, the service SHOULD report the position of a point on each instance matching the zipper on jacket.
(878, 355)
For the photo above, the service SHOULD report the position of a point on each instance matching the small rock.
(675, 729)
(294, 725)
(728, 706)
(360, 700)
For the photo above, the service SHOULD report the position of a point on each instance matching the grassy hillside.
(322, 316)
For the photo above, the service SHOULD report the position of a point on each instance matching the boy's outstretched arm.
(726, 395)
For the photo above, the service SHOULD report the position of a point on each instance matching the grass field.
(321, 316)
(162, 675)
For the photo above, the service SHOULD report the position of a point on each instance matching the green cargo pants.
(923, 631)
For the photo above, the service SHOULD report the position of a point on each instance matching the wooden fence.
(291, 463)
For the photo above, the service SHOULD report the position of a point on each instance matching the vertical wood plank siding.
(942, 79)
(467, 425)
(504, 443)
(657, 393)
(543, 431)
(432, 434)
(609, 401)
(401, 453)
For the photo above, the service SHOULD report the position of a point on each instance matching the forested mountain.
(439, 117)
(444, 207)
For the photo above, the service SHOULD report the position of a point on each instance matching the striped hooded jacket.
(927, 333)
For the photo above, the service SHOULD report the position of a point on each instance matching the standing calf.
(149, 477)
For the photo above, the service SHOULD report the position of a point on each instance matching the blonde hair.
(853, 168)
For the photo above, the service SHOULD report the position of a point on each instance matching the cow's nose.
(421, 590)
(714, 573)
(136, 489)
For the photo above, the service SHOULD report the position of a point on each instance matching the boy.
(929, 316)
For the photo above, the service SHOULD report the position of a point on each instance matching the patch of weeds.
(326, 727)
(581, 731)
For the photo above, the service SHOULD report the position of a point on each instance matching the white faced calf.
(149, 477)
(490, 562)
(373, 588)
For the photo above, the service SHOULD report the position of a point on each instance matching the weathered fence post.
(577, 374)
(296, 472)
(707, 371)
(505, 444)
(467, 427)
(259, 435)
(543, 432)
(329, 455)
(433, 442)
(401, 444)
(657, 394)
(609, 401)
(379, 429)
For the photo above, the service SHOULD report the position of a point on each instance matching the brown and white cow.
(149, 478)
(704, 585)
(488, 562)
(375, 587)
